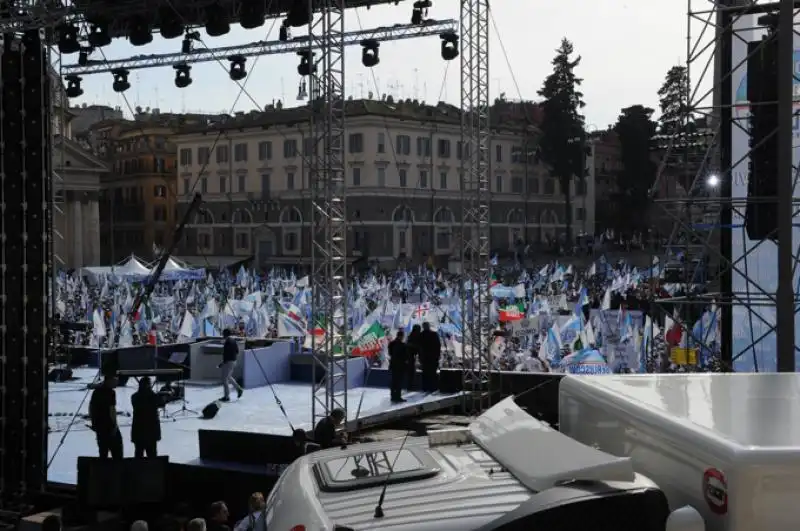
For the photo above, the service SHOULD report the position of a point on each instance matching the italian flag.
(371, 342)
(511, 313)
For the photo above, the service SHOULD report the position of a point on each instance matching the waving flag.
(290, 321)
(370, 343)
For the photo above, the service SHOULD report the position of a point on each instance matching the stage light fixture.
(283, 33)
(217, 23)
(74, 89)
(98, 35)
(252, 14)
(68, 39)
(306, 66)
(299, 15)
(186, 45)
(369, 53)
(420, 11)
(237, 70)
(139, 32)
(183, 77)
(449, 46)
(169, 23)
(121, 83)
(83, 56)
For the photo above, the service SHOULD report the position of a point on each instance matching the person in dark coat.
(146, 426)
(430, 351)
(230, 353)
(413, 344)
(326, 433)
(103, 414)
(398, 366)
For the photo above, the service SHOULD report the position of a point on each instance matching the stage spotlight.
(121, 83)
(237, 70)
(217, 23)
(252, 14)
(74, 89)
(186, 46)
(139, 31)
(299, 15)
(68, 39)
(169, 23)
(306, 66)
(83, 56)
(369, 53)
(183, 76)
(283, 33)
(420, 11)
(98, 35)
(449, 46)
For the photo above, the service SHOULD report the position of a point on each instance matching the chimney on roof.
(370, 95)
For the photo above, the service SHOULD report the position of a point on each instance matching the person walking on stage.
(230, 353)
(413, 344)
(398, 366)
(146, 426)
(103, 415)
(431, 350)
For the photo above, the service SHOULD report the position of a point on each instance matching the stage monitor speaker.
(210, 411)
(109, 362)
(59, 374)
(116, 483)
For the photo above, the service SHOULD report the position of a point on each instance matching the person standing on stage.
(412, 351)
(398, 366)
(146, 426)
(430, 351)
(103, 415)
(230, 353)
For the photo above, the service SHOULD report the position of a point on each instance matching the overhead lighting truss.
(351, 38)
(475, 233)
(702, 190)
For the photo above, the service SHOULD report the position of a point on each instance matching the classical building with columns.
(76, 189)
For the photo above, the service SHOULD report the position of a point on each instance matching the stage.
(257, 413)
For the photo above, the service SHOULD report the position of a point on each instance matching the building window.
(264, 150)
(222, 154)
(356, 143)
(516, 155)
(498, 184)
(381, 177)
(242, 183)
(265, 184)
(423, 146)
(443, 180)
(290, 181)
(356, 176)
(423, 179)
(533, 185)
(242, 240)
(187, 186)
(403, 145)
(443, 148)
(186, 157)
(159, 190)
(308, 146)
(291, 241)
(403, 178)
(204, 185)
(442, 240)
(381, 143)
(498, 153)
(549, 187)
(289, 148)
(516, 185)
(203, 155)
(223, 185)
(204, 240)
(580, 214)
(240, 153)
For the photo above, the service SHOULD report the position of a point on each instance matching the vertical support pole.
(328, 209)
(475, 190)
(724, 84)
(785, 293)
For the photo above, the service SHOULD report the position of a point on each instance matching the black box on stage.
(115, 483)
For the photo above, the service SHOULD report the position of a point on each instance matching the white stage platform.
(256, 412)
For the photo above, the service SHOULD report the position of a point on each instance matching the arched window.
(241, 216)
(544, 217)
(549, 186)
(444, 216)
(203, 217)
(403, 214)
(291, 215)
(516, 217)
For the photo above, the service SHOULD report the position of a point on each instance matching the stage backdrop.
(751, 351)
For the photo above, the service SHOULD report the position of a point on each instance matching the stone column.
(91, 216)
(77, 233)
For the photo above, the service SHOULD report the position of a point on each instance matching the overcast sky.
(626, 47)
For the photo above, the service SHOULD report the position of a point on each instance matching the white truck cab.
(727, 445)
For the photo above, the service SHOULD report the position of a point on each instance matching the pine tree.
(563, 136)
(674, 101)
(635, 129)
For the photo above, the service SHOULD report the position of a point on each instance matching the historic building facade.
(403, 173)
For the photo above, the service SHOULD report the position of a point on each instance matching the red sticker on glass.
(715, 491)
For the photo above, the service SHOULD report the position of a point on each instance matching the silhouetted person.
(103, 414)
(398, 366)
(146, 426)
(301, 443)
(218, 517)
(325, 434)
(430, 351)
(230, 353)
(413, 344)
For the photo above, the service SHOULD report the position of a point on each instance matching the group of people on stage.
(423, 345)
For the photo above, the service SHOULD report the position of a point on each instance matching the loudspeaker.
(60, 374)
(210, 411)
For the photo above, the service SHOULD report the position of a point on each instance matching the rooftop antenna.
(379, 508)
(416, 83)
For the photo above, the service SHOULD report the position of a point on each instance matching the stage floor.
(256, 412)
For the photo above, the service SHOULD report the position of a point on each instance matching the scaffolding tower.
(475, 197)
(702, 187)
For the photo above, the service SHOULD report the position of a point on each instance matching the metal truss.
(351, 38)
(330, 282)
(475, 196)
(720, 265)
